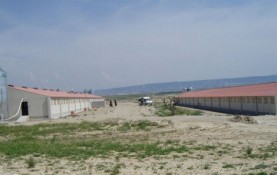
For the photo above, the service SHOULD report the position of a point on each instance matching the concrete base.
(22, 119)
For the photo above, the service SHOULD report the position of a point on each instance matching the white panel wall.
(64, 110)
(208, 102)
(61, 107)
(215, 102)
(72, 107)
(224, 102)
(235, 103)
(55, 111)
(42, 106)
(37, 104)
(201, 102)
(264, 105)
(249, 104)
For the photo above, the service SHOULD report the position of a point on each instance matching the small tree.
(164, 102)
(169, 103)
(172, 105)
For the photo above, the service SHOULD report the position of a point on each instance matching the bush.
(249, 150)
(31, 162)
(164, 111)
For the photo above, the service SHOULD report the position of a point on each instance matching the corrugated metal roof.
(55, 94)
(267, 89)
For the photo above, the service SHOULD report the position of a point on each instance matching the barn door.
(24, 108)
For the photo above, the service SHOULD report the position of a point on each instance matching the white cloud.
(142, 43)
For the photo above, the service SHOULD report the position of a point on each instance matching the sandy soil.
(231, 139)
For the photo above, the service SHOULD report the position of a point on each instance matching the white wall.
(264, 105)
(55, 112)
(61, 107)
(42, 106)
(224, 103)
(37, 104)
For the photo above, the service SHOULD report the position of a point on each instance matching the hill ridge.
(180, 85)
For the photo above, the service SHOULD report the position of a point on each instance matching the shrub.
(164, 111)
(228, 166)
(31, 162)
(249, 150)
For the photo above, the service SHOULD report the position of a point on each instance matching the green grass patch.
(47, 129)
(71, 128)
(264, 153)
(228, 166)
(84, 149)
(138, 125)
(164, 111)
(114, 170)
(83, 140)
(63, 140)
(260, 173)
(205, 147)
(261, 166)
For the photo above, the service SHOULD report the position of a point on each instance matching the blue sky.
(81, 44)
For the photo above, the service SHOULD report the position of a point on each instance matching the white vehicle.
(145, 101)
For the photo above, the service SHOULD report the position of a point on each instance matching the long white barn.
(44, 103)
(252, 99)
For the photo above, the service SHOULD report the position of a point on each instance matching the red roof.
(56, 94)
(267, 89)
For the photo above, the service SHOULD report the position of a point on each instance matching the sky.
(99, 44)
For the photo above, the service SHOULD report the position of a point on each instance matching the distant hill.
(179, 86)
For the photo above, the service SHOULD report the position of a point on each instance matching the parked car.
(145, 101)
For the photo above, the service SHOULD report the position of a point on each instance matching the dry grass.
(244, 119)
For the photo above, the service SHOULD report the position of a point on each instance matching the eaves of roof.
(266, 89)
(56, 94)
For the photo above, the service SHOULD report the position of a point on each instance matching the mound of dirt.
(243, 119)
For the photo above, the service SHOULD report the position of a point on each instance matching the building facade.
(44, 103)
(252, 99)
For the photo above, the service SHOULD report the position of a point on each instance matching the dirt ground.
(238, 147)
